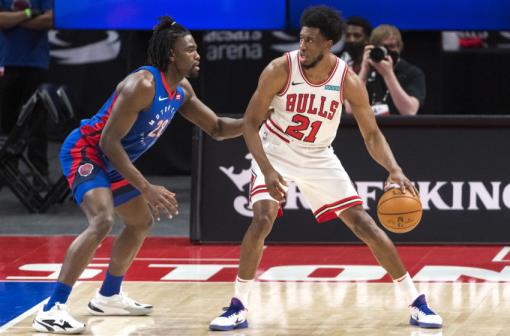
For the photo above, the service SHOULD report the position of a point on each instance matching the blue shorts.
(84, 168)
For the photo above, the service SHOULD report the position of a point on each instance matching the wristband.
(28, 13)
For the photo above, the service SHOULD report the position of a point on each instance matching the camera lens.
(378, 54)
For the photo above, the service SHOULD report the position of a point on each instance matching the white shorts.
(317, 172)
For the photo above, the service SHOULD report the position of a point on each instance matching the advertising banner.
(459, 166)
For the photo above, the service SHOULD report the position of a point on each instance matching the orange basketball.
(399, 212)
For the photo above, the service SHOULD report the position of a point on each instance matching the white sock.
(242, 290)
(406, 284)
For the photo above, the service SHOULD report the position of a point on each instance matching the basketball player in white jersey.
(306, 88)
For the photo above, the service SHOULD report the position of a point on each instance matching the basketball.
(398, 211)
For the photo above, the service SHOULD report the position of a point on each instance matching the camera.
(378, 54)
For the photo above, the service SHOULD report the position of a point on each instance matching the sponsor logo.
(63, 325)
(332, 87)
(434, 195)
(233, 45)
(101, 51)
(233, 36)
(162, 98)
(297, 83)
(85, 169)
(242, 182)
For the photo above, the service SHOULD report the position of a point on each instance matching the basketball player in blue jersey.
(97, 159)
(306, 88)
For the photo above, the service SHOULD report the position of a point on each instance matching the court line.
(500, 257)
(193, 259)
(26, 314)
(171, 259)
(23, 316)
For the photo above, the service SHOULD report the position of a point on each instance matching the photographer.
(394, 86)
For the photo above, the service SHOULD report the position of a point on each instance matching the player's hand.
(397, 178)
(276, 185)
(160, 199)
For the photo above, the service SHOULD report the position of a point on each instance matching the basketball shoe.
(234, 317)
(423, 316)
(118, 304)
(57, 320)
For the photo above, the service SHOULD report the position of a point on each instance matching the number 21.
(297, 131)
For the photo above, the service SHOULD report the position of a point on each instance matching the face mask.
(355, 49)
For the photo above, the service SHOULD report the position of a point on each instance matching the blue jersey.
(148, 127)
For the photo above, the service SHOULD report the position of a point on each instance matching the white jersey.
(305, 113)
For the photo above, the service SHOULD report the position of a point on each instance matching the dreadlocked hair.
(162, 42)
(327, 19)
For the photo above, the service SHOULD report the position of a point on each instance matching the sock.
(242, 290)
(111, 284)
(60, 294)
(406, 284)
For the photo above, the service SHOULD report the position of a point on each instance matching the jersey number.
(155, 133)
(297, 131)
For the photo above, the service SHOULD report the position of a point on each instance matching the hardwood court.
(299, 308)
(301, 289)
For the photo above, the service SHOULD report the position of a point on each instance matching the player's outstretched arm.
(356, 93)
(271, 81)
(219, 128)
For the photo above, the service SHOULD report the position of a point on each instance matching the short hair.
(328, 20)
(162, 41)
(385, 31)
(360, 21)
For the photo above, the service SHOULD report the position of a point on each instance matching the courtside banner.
(459, 165)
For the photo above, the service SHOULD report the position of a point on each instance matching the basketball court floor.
(300, 289)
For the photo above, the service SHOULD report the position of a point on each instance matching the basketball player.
(306, 88)
(97, 159)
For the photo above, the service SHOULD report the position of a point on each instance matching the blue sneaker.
(422, 316)
(234, 317)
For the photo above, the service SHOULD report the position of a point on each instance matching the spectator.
(394, 86)
(24, 55)
(357, 33)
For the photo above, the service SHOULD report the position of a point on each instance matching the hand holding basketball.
(399, 211)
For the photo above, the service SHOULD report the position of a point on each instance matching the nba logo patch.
(85, 169)
(178, 96)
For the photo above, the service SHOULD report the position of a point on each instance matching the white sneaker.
(234, 317)
(422, 316)
(57, 320)
(118, 304)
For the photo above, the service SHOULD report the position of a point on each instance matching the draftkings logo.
(434, 195)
